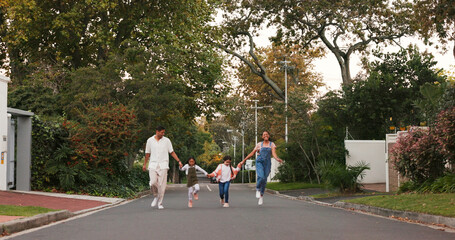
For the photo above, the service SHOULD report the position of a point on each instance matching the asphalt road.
(278, 218)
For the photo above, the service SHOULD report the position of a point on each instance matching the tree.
(343, 26)
(387, 96)
(435, 17)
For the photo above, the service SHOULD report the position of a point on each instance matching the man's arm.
(147, 157)
(177, 159)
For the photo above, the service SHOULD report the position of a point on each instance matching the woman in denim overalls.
(266, 150)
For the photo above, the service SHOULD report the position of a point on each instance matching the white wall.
(371, 152)
(3, 131)
(273, 170)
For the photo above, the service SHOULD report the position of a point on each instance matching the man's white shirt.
(159, 152)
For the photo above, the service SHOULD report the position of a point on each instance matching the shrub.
(338, 176)
(445, 133)
(102, 138)
(417, 156)
(47, 138)
(445, 184)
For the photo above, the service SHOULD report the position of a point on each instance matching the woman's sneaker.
(261, 201)
(226, 205)
(196, 197)
(190, 204)
(258, 194)
(222, 201)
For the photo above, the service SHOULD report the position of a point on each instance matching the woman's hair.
(188, 161)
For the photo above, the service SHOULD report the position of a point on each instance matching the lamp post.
(256, 122)
(243, 145)
(285, 65)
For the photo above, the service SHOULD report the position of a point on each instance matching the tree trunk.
(345, 69)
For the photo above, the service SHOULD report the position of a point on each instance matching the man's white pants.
(158, 181)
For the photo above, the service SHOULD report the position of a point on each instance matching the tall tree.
(387, 96)
(343, 26)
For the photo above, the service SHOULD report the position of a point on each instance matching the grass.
(278, 186)
(338, 194)
(436, 204)
(26, 211)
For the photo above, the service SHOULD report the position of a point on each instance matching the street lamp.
(256, 119)
(243, 144)
(256, 123)
(285, 65)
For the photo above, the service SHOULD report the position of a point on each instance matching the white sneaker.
(258, 194)
(160, 206)
(226, 205)
(261, 201)
(154, 202)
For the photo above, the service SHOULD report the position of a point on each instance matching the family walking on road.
(158, 148)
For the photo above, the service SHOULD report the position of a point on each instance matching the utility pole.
(256, 122)
(285, 65)
(243, 144)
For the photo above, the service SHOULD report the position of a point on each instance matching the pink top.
(258, 146)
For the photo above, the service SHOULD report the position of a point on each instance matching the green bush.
(338, 176)
(286, 173)
(123, 186)
(445, 184)
(47, 138)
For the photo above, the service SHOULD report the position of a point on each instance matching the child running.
(192, 184)
(224, 173)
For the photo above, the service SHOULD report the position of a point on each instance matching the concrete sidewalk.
(67, 204)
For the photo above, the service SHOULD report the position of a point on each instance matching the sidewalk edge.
(413, 216)
(420, 217)
(21, 224)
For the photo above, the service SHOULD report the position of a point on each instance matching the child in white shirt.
(224, 173)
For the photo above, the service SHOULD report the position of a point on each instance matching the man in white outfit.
(157, 150)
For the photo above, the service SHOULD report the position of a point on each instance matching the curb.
(419, 217)
(304, 198)
(402, 215)
(22, 224)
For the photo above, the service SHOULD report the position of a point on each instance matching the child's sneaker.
(222, 201)
(261, 201)
(226, 205)
(196, 197)
(190, 204)
(258, 194)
